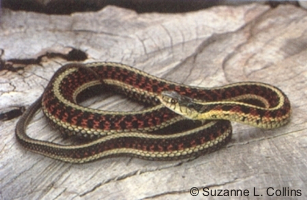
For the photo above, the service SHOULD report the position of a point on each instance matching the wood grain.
(206, 48)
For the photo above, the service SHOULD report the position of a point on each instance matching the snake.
(178, 121)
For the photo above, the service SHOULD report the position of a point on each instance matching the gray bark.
(206, 48)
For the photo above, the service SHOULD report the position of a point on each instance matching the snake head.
(180, 104)
(173, 98)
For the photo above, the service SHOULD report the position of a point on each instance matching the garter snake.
(155, 133)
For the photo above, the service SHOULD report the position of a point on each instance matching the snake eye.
(173, 101)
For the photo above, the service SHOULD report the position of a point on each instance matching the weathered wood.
(206, 48)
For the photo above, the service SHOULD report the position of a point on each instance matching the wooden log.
(206, 48)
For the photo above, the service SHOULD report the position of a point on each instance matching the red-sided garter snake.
(156, 132)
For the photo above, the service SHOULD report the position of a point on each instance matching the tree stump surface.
(207, 48)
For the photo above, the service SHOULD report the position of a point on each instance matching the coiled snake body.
(157, 132)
